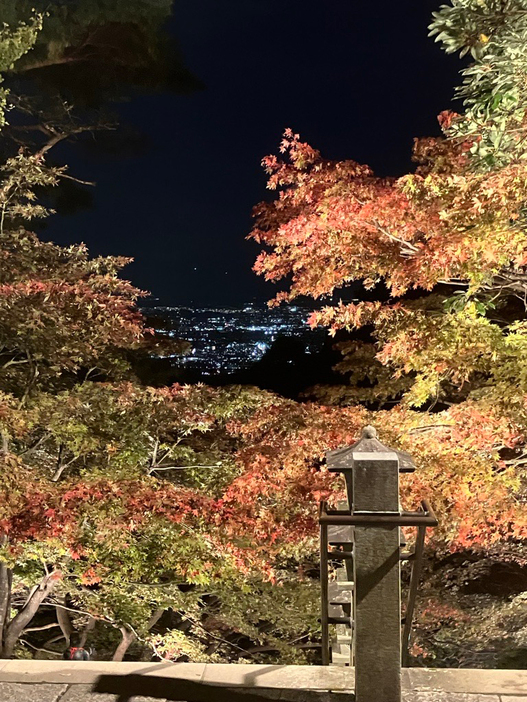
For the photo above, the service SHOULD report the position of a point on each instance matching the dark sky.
(358, 79)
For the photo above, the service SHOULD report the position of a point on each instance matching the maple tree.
(182, 521)
(121, 502)
(442, 252)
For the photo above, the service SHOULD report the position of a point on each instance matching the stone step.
(340, 654)
(343, 580)
(340, 616)
(335, 611)
(338, 595)
(341, 572)
(344, 573)
(339, 660)
(340, 535)
(345, 649)
(406, 556)
(344, 640)
(343, 630)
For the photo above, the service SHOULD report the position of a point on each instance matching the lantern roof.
(341, 459)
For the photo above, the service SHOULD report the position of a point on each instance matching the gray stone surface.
(84, 693)
(377, 581)
(70, 681)
(20, 692)
(340, 535)
(280, 676)
(376, 482)
(468, 681)
(88, 672)
(448, 697)
(225, 695)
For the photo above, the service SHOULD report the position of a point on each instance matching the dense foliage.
(128, 512)
(95, 50)
(441, 334)
(181, 521)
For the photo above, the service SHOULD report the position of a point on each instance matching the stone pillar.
(375, 478)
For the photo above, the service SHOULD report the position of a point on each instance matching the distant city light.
(229, 339)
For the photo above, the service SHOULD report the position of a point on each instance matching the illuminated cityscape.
(225, 340)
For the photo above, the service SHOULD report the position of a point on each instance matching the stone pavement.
(94, 681)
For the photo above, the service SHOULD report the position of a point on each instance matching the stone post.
(375, 475)
(371, 555)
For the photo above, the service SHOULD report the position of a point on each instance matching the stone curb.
(420, 685)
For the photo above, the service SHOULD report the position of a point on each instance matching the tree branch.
(28, 611)
(36, 648)
(160, 468)
(41, 628)
(64, 621)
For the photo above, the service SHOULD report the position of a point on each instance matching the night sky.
(356, 79)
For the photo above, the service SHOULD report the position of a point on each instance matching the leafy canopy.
(442, 253)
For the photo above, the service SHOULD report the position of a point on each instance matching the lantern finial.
(369, 432)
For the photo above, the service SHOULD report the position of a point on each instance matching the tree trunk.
(90, 626)
(129, 636)
(64, 620)
(15, 628)
(126, 641)
(5, 599)
(156, 616)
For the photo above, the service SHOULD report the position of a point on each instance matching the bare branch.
(36, 648)
(28, 611)
(408, 248)
(62, 467)
(429, 427)
(64, 621)
(41, 628)
(154, 469)
(91, 183)
(90, 626)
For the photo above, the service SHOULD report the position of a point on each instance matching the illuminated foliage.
(117, 499)
(442, 253)
(123, 502)
(15, 41)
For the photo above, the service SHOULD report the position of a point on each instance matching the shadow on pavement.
(126, 687)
